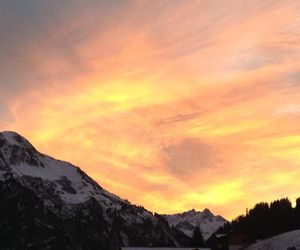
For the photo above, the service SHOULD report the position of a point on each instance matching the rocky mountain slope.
(51, 204)
(187, 222)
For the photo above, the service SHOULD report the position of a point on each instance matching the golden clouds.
(218, 194)
(171, 105)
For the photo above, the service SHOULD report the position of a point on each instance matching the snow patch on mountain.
(13, 138)
(72, 185)
(188, 221)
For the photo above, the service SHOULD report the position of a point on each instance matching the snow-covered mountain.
(187, 222)
(51, 204)
(289, 240)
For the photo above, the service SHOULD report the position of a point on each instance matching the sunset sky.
(170, 104)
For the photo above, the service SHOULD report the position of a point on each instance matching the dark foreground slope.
(51, 204)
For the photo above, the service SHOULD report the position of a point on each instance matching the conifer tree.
(197, 238)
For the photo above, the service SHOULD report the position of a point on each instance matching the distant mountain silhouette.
(190, 220)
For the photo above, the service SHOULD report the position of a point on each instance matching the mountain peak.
(207, 212)
(186, 222)
(12, 138)
(192, 211)
(56, 193)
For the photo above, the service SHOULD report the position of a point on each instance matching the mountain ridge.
(188, 221)
(63, 190)
(58, 201)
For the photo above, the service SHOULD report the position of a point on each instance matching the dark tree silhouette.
(266, 220)
(116, 240)
(197, 239)
(297, 213)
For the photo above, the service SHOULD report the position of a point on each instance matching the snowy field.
(280, 242)
(160, 248)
